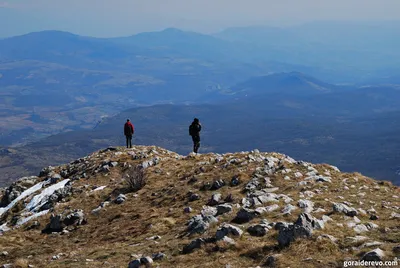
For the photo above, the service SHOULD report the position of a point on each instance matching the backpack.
(191, 130)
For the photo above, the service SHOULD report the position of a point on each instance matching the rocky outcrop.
(240, 205)
(60, 221)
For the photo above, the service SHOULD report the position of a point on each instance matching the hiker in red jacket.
(129, 129)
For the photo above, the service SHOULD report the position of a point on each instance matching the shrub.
(135, 178)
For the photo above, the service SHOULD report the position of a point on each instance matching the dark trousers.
(196, 143)
(128, 141)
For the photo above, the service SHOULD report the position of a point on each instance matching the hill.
(118, 206)
(355, 130)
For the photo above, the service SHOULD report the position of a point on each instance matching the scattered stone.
(55, 225)
(199, 224)
(147, 261)
(259, 229)
(187, 210)
(228, 240)
(244, 215)
(308, 221)
(343, 208)
(289, 234)
(217, 185)
(280, 225)
(209, 211)
(374, 218)
(355, 239)
(224, 208)
(121, 198)
(158, 256)
(3, 254)
(371, 244)
(77, 217)
(195, 244)
(228, 229)
(327, 236)
(271, 208)
(235, 181)
(134, 264)
(306, 205)
(360, 228)
(215, 199)
(374, 255)
(288, 209)
(396, 249)
(395, 215)
(34, 225)
(193, 197)
(272, 260)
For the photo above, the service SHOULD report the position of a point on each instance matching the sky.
(110, 18)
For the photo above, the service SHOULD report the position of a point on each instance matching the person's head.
(127, 120)
(196, 120)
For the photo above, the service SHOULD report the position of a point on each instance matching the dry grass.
(118, 231)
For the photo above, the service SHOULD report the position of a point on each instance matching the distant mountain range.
(353, 128)
(286, 89)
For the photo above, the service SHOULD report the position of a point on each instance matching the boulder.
(343, 208)
(306, 205)
(289, 234)
(215, 199)
(194, 244)
(56, 224)
(374, 255)
(272, 260)
(121, 198)
(228, 229)
(199, 224)
(259, 229)
(193, 197)
(217, 185)
(235, 181)
(244, 215)
(288, 209)
(209, 211)
(224, 208)
(76, 217)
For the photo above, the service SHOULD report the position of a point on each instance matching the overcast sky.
(106, 18)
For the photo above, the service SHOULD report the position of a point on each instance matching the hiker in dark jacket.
(194, 131)
(129, 129)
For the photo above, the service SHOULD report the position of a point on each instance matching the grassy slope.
(110, 238)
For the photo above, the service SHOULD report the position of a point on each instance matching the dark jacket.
(194, 129)
(129, 129)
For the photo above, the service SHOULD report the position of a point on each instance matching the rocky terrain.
(150, 207)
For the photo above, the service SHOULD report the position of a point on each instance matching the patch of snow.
(42, 197)
(99, 188)
(34, 216)
(26, 193)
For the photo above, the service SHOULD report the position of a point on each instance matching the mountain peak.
(148, 204)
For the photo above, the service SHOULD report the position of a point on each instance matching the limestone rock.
(374, 255)
(228, 229)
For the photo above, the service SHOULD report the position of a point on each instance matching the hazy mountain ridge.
(321, 128)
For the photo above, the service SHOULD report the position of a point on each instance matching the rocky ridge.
(148, 206)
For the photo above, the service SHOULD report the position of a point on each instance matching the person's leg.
(127, 141)
(196, 142)
(130, 141)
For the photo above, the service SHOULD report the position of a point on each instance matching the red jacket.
(129, 129)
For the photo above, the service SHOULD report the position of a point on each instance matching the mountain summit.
(149, 206)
